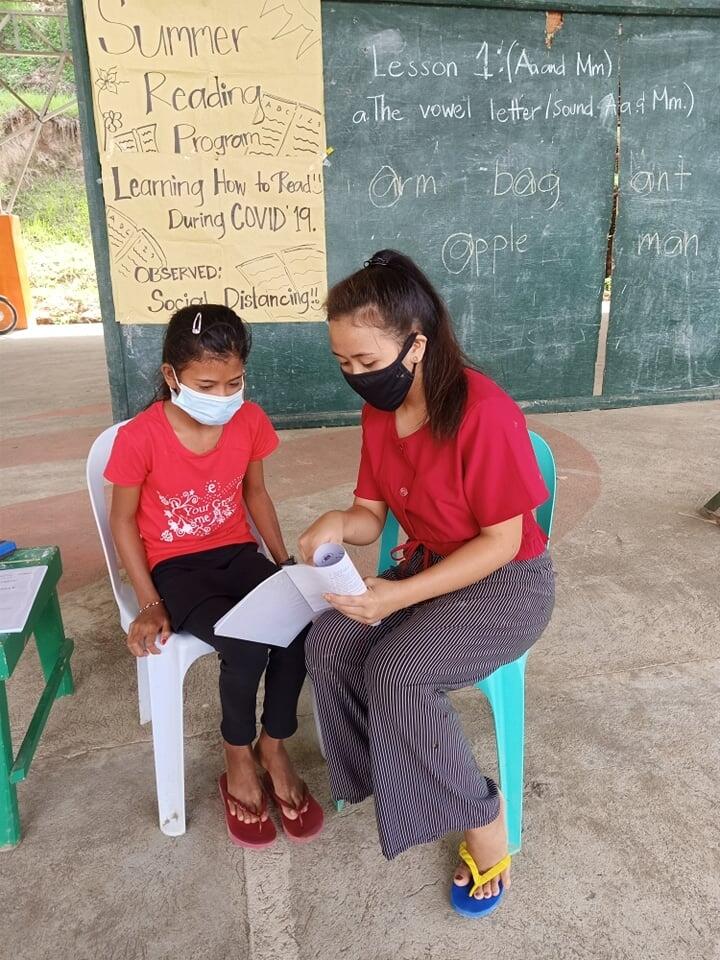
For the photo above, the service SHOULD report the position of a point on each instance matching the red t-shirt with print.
(189, 502)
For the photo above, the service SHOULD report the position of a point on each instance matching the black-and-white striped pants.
(388, 726)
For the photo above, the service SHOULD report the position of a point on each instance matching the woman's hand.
(329, 528)
(145, 628)
(383, 597)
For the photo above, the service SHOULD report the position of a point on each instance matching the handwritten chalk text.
(464, 251)
(387, 187)
(676, 244)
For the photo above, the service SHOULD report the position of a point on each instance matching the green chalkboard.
(664, 330)
(689, 8)
(463, 140)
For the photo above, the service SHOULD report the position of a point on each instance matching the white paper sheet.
(334, 572)
(18, 589)
(274, 613)
(277, 610)
(341, 573)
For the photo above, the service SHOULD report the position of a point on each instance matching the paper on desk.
(18, 589)
(334, 572)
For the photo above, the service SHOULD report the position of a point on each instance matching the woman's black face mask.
(385, 389)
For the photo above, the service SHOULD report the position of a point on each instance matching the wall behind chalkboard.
(463, 139)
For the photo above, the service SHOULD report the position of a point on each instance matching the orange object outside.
(13, 272)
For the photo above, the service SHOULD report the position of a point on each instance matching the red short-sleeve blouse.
(444, 493)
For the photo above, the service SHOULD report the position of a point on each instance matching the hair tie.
(197, 323)
(377, 260)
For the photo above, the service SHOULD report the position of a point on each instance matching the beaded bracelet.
(153, 603)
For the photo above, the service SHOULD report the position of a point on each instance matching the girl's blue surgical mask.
(207, 408)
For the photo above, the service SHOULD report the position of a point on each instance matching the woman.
(449, 453)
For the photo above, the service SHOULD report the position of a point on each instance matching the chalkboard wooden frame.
(122, 401)
(645, 8)
(96, 204)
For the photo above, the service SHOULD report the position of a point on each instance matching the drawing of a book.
(268, 275)
(286, 128)
(131, 246)
(305, 135)
(306, 266)
(138, 140)
(291, 271)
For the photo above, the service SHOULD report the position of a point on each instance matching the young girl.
(184, 470)
(448, 451)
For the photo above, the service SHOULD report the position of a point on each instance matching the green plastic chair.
(505, 688)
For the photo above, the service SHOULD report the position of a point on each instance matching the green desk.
(45, 623)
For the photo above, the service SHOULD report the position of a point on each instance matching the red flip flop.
(308, 824)
(254, 836)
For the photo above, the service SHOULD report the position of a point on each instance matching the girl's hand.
(327, 529)
(145, 628)
(383, 597)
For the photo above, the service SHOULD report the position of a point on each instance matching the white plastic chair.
(160, 677)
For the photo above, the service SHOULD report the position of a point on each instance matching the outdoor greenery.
(51, 203)
(54, 211)
(16, 70)
(35, 99)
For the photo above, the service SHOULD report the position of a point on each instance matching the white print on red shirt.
(190, 514)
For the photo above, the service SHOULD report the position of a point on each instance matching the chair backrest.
(545, 512)
(96, 463)
(546, 462)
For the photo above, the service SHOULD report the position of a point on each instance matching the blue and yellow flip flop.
(462, 899)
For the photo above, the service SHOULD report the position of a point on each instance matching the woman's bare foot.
(488, 846)
(273, 756)
(243, 783)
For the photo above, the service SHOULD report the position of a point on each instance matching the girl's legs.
(284, 678)
(230, 575)
(242, 664)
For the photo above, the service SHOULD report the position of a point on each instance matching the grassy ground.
(36, 100)
(54, 211)
(63, 282)
(56, 231)
(55, 225)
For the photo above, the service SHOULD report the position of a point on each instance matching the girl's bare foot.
(488, 846)
(243, 783)
(273, 756)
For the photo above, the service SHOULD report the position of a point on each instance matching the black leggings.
(198, 589)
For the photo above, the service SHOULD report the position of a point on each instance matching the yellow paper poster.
(211, 135)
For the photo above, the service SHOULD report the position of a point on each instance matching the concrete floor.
(620, 858)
